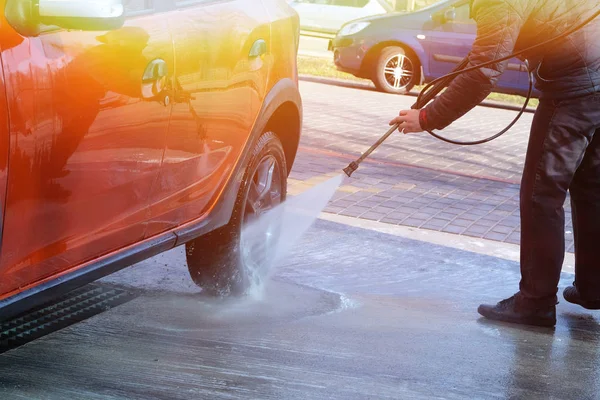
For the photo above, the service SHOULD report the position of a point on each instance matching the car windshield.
(421, 5)
(387, 5)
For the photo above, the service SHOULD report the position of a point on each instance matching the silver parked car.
(328, 16)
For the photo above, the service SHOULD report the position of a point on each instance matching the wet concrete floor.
(352, 314)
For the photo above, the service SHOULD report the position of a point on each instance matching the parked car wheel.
(223, 263)
(395, 71)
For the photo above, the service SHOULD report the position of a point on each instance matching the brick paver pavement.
(414, 180)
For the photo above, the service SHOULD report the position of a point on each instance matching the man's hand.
(408, 121)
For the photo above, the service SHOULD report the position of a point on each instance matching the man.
(564, 146)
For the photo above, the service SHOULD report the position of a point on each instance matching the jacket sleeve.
(498, 27)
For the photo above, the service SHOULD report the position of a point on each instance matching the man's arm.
(498, 27)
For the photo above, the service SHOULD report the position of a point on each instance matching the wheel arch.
(286, 123)
(282, 101)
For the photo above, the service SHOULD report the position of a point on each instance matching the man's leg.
(557, 147)
(560, 134)
(542, 214)
(585, 205)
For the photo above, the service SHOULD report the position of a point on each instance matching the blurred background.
(328, 16)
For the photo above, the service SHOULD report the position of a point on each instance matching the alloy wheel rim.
(264, 194)
(398, 71)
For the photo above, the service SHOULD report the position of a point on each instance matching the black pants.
(563, 154)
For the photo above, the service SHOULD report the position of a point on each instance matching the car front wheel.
(396, 71)
(227, 261)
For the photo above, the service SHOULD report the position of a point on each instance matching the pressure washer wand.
(349, 170)
(421, 102)
(437, 85)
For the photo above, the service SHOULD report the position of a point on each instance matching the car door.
(448, 39)
(221, 70)
(87, 132)
(4, 144)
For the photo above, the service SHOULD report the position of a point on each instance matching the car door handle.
(258, 49)
(155, 81)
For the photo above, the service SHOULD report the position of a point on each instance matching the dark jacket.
(567, 68)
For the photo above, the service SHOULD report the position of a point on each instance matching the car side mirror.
(155, 81)
(27, 16)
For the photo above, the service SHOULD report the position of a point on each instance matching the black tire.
(215, 261)
(391, 57)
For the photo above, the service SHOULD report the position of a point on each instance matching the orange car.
(131, 127)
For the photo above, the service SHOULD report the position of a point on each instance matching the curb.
(365, 86)
(492, 248)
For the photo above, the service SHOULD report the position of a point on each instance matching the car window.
(407, 5)
(350, 3)
(343, 3)
(328, 2)
(420, 4)
(186, 3)
(463, 13)
(135, 7)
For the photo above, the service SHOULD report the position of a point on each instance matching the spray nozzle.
(349, 170)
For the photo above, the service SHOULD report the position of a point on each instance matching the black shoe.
(519, 311)
(571, 294)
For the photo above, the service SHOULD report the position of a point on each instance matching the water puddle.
(280, 302)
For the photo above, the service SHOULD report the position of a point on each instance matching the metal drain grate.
(75, 306)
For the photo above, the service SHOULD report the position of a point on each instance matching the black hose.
(431, 90)
(497, 135)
